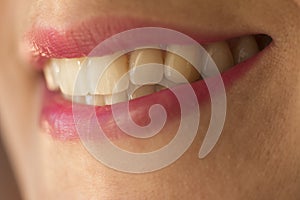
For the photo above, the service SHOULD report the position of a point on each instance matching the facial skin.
(257, 156)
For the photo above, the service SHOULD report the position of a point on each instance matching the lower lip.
(57, 117)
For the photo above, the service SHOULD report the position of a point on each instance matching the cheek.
(297, 2)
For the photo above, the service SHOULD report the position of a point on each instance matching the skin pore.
(257, 156)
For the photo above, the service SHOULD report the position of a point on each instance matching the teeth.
(68, 75)
(150, 74)
(51, 73)
(116, 98)
(143, 91)
(176, 64)
(77, 99)
(221, 55)
(159, 88)
(105, 82)
(243, 48)
(99, 85)
(96, 100)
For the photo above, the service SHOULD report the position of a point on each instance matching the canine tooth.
(68, 75)
(51, 72)
(150, 74)
(221, 55)
(243, 48)
(105, 81)
(95, 100)
(176, 64)
(115, 98)
(143, 91)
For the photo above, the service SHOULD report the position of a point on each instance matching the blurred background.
(8, 186)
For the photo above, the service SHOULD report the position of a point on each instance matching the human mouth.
(62, 73)
(232, 57)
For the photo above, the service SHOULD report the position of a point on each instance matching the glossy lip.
(42, 43)
(57, 113)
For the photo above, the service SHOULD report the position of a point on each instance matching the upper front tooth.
(177, 65)
(150, 74)
(71, 82)
(105, 80)
(243, 48)
(221, 55)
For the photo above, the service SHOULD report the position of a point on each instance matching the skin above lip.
(57, 117)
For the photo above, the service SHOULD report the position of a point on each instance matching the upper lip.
(79, 39)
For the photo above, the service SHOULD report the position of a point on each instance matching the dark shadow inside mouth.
(263, 41)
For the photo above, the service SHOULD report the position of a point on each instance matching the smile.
(233, 57)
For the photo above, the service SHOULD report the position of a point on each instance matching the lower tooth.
(165, 83)
(143, 91)
(95, 100)
(116, 98)
(243, 48)
(76, 99)
(79, 99)
(159, 88)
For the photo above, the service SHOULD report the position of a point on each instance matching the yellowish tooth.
(78, 99)
(176, 64)
(150, 74)
(243, 48)
(68, 97)
(159, 88)
(143, 91)
(51, 72)
(221, 55)
(95, 100)
(69, 76)
(116, 98)
(112, 79)
(165, 83)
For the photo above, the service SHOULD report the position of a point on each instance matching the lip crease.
(57, 116)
